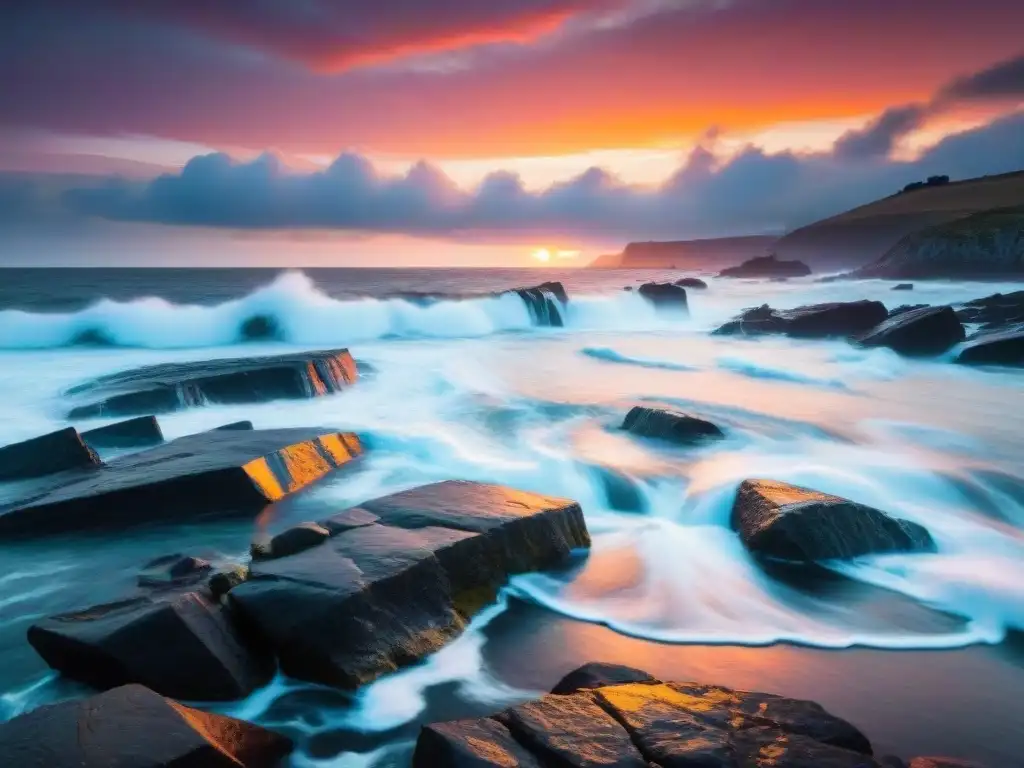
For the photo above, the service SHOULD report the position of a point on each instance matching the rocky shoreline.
(374, 588)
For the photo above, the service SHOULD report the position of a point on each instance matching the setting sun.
(542, 254)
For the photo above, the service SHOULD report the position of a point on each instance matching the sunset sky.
(476, 131)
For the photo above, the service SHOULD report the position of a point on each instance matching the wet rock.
(664, 295)
(132, 727)
(260, 328)
(925, 331)
(673, 426)
(767, 266)
(470, 744)
(234, 426)
(598, 675)
(226, 579)
(139, 432)
(903, 287)
(691, 282)
(174, 386)
(292, 541)
(996, 311)
(905, 308)
(46, 455)
(814, 321)
(779, 520)
(942, 762)
(183, 646)
(349, 519)
(173, 570)
(572, 730)
(646, 723)
(211, 473)
(996, 348)
(545, 303)
(379, 596)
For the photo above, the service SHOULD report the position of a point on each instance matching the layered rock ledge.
(173, 386)
(132, 727)
(219, 472)
(398, 576)
(627, 719)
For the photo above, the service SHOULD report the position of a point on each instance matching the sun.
(542, 254)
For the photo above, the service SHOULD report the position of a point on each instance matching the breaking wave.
(292, 309)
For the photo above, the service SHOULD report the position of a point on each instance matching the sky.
(469, 132)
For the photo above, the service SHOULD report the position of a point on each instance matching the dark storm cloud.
(881, 135)
(255, 74)
(1002, 81)
(753, 191)
(334, 34)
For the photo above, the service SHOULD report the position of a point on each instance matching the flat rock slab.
(46, 455)
(646, 723)
(787, 522)
(174, 386)
(400, 576)
(673, 426)
(133, 727)
(139, 432)
(767, 266)
(923, 331)
(223, 473)
(996, 348)
(841, 319)
(183, 646)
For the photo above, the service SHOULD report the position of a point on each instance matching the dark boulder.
(132, 727)
(813, 321)
(691, 282)
(174, 386)
(182, 645)
(788, 522)
(545, 303)
(598, 675)
(767, 266)
(211, 473)
(925, 331)
(234, 426)
(903, 287)
(673, 426)
(139, 432)
(173, 570)
(1004, 347)
(647, 723)
(996, 311)
(379, 596)
(227, 578)
(664, 295)
(905, 308)
(292, 541)
(46, 455)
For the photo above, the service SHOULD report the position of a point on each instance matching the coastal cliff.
(985, 244)
(865, 234)
(711, 253)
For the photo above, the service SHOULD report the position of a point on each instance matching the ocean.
(920, 651)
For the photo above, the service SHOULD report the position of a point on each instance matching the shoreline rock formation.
(607, 715)
(173, 386)
(767, 267)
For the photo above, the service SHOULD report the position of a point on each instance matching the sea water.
(468, 387)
